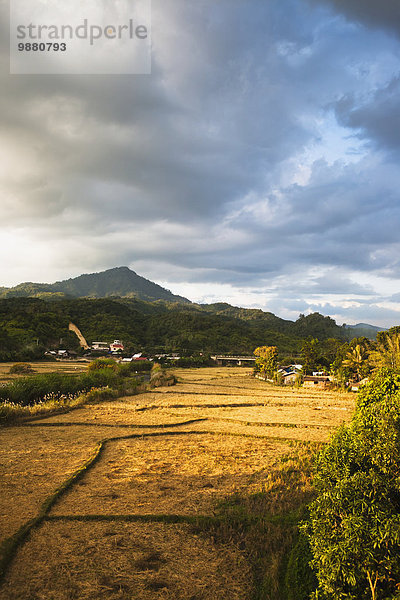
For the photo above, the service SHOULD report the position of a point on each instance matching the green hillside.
(118, 282)
(119, 304)
(30, 325)
(365, 330)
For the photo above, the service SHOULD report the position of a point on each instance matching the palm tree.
(356, 359)
(387, 353)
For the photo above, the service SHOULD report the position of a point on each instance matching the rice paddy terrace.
(168, 494)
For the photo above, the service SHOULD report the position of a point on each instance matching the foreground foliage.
(354, 529)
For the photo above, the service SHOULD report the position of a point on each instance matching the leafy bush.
(102, 363)
(21, 369)
(160, 377)
(100, 394)
(140, 365)
(126, 369)
(131, 368)
(354, 529)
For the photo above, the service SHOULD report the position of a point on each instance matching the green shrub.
(21, 369)
(102, 363)
(129, 369)
(300, 579)
(354, 527)
(100, 394)
(140, 365)
(160, 377)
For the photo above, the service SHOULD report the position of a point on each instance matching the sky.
(258, 163)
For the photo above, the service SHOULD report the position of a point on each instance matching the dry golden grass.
(230, 434)
(125, 561)
(182, 474)
(73, 366)
(122, 412)
(231, 401)
(34, 462)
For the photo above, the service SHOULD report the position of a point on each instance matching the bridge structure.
(240, 361)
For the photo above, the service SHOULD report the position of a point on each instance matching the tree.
(387, 353)
(356, 360)
(267, 361)
(354, 527)
(352, 360)
(328, 351)
(310, 354)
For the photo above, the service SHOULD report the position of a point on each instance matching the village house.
(100, 346)
(117, 346)
(290, 374)
(321, 381)
(289, 378)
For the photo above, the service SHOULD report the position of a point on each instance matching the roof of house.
(357, 385)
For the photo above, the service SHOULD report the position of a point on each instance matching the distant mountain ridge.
(365, 330)
(366, 326)
(122, 282)
(117, 282)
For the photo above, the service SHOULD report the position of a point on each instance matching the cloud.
(374, 118)
(384, 14)
(257, 160)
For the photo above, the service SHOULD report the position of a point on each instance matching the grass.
(10, 545)
(30, 390)
(110, 561)
(264, 524)
(209, 496)
(68, 367)
(54, 392)
(52, 403)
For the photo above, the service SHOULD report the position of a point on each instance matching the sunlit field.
(160, 512)
(66, 366)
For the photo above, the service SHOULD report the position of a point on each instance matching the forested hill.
(118, 282)
(30, 325)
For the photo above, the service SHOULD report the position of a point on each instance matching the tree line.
(28, 326)
(355, 360)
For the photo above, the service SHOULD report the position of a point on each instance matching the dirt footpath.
(124, 527)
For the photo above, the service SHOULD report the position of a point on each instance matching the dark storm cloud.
(385, 13)
(377, 118)
(159, 149)
(248, 158)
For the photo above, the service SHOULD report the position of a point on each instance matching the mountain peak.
(117, 282)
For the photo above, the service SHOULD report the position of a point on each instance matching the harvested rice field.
(159, 513)
(66, 366)
(128, 560)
